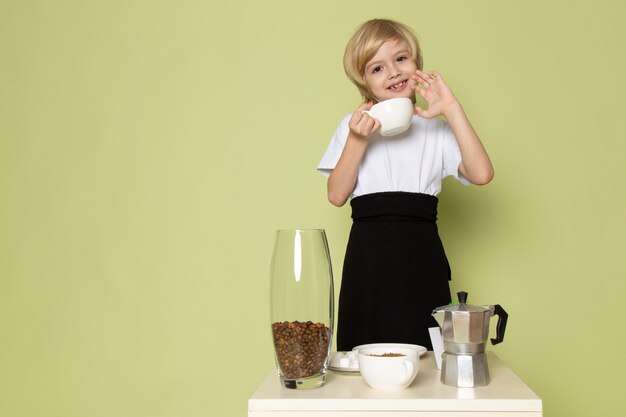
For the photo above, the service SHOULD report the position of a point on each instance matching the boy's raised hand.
(435, 92)
(361, 124)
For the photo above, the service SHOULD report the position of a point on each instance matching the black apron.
(395, 271)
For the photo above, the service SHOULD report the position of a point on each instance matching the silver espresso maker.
(465, 329)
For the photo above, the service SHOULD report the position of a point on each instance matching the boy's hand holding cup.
(362, 124)
(393, 116)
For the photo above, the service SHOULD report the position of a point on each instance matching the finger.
(373, 124)
(376, 125)
(365, 117)
(365, 106)
(356, 117)
(369, 125)
(436, 77)
(420, 91)
(365, 124)
(422, 78)
(423, 113)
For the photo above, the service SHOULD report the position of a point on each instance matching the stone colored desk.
(347, 395)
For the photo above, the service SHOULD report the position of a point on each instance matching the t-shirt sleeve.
(335, 148)
(452, 156)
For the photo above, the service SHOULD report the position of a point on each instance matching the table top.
(349, 392)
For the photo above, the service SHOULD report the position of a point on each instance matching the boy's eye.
(402, 58)
(377, 69)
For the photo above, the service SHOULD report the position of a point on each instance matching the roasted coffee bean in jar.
(301, 347)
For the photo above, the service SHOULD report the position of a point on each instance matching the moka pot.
(465, 330)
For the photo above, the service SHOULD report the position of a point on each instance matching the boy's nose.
(394, 73)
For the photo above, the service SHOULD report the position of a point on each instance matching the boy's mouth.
(399, 86)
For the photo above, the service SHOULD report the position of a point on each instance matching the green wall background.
(150, 149)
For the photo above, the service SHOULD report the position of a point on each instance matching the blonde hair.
(365, 43)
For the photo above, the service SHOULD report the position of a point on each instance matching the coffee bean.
(301, 347)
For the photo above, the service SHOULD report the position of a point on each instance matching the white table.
(347, 395)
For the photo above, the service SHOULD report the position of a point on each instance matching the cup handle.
(409, 367)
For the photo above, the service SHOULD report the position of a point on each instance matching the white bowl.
(389, 366)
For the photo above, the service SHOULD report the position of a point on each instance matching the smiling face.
(388, 73)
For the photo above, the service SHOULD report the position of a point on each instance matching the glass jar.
(301, 307)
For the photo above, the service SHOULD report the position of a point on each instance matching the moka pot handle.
(501, 326)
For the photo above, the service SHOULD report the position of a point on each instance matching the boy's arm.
(342, 179)
(475, 164)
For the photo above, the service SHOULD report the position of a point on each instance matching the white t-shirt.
(414, 161)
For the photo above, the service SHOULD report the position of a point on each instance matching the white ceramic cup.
(394, 115)
(389, 373)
